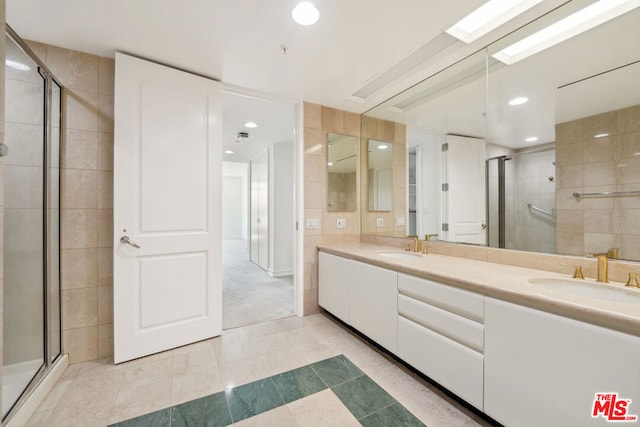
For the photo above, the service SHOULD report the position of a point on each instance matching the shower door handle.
(127, 241)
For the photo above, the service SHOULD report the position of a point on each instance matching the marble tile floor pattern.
(250, 294)
(362, 400)
(101, 393)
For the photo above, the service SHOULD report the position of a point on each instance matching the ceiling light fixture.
(228, 152)
(305, 13)
(16, 65)
(601, 135)
(383, 147)
(591, 16)
(330, 164)
(250, 125)
(488, 17)
(532, 139)
(519, 100)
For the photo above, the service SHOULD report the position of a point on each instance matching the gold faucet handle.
(577, 274)
(632, 281)
(427, 237)
(408, 248)
(612, 253)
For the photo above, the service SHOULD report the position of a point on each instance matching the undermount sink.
(399, 254)
(589, 290)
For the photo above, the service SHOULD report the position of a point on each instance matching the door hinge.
(445, 226)
(445, 146)
(445, 187)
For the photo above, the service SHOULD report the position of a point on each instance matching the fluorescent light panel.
(579, 22)
(488, 17)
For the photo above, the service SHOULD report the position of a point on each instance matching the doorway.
(258, 210)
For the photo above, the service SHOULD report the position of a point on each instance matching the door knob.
(127, 241)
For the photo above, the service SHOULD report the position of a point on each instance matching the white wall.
(235, 213)
(429, 180)
(281, 218)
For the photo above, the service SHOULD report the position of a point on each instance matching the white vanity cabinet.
(441, 333)
(544, 370)
(362, 295)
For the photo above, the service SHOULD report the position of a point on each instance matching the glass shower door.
(30, 225)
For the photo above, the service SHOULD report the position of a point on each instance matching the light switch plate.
(379, 222)
(340, 223)
(313, 223)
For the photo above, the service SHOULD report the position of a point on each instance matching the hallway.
(250, 294)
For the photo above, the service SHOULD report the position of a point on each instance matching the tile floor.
(250, 294)
(100, 393)
(360, 398)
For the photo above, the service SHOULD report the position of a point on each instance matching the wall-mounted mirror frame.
(342, 180)
(569, 87)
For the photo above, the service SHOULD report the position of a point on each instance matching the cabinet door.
(334, 278)
(373, 304)
(544, 370)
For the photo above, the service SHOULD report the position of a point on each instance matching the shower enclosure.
(521, 196)
(31, 315)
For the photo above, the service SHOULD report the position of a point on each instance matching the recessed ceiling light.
(591, 16)
(250, 125)
(383, 147)
(305, 13)
(16, 65)
(488, 17)
(532, 139)
(228, 152)
(601, 135)
(519, 100)
(330, 164)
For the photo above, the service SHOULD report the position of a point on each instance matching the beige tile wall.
(2, 55)
(588, 164)
(396, 134)
(87, 200)
(318, 122)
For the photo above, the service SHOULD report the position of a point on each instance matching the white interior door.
(167, 193)
(464, 211)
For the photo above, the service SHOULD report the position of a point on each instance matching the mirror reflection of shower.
(521, 195)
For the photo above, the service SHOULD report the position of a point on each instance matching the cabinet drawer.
(457, 328)
(465, 303)
(454, 366)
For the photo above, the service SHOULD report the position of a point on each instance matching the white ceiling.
(239, 41)
(356, 41)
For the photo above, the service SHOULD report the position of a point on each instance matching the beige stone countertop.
(504, 282)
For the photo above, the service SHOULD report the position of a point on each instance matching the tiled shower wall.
(588, 164)
(318, 122)
(87, 200)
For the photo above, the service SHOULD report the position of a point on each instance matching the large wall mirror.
(342, 181)
(561, 134)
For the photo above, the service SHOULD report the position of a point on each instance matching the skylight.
(488, 17)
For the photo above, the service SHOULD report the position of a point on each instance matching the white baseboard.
(37, 396)
(280, 273)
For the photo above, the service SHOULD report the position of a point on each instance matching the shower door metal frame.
(48, 80)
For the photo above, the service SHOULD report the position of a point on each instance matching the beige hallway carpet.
(250, 294)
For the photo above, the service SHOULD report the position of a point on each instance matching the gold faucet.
(416, 243)
(427, 239)
(603, 266)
